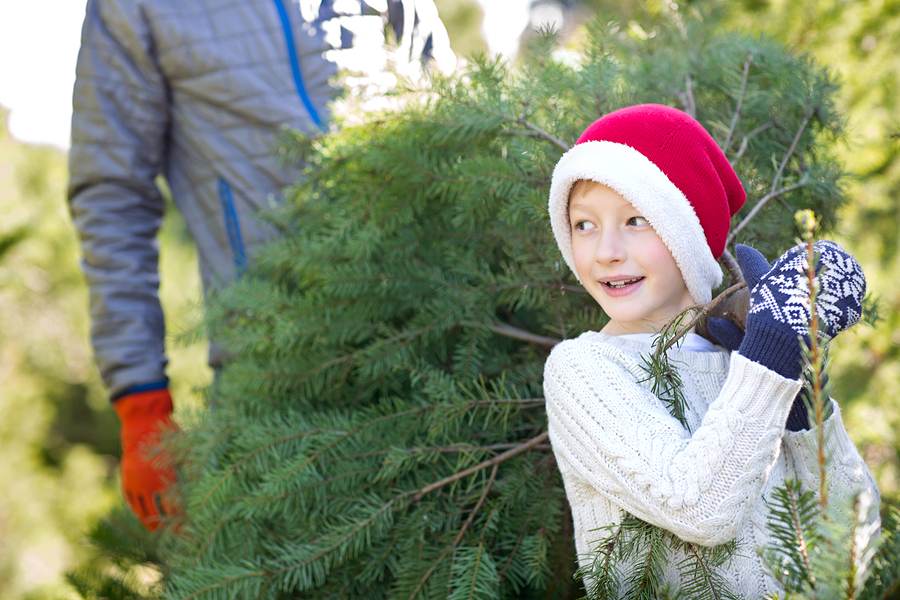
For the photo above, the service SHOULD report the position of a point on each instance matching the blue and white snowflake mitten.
(779, 311)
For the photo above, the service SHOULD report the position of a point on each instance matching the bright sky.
(39, 42)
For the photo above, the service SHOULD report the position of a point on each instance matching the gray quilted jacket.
(197, 91)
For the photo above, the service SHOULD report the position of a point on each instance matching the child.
(640, 208)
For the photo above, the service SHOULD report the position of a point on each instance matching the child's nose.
(610, 247)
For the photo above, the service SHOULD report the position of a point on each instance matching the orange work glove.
(145, 479)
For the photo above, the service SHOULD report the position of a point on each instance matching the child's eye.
(645, 221)
(578, 224)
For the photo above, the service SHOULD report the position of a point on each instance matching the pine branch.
(706, 573)
(487, 488)
(508, 562)
(473, 575)
(818, 401)
(745, 141)
(700, 580)
(678, 331)
(666, 382)
(884, 574)
(402, 336)
(535, 131)
(776, 181)
(550, 285)
(762, 202)
(645, 577)
(734, 270)
(223, 582)
(848, 540)
(368, 423)
(800, 537)
(806, 219)
(459, 536)
(453, 449)
(792, 522)
(235, 467)
(531, 130)
(602, 572)
(510, 331)
(739, 104)
(350, 531)
(500, 458)
(364, 424)
(687, 96)
(345, 358)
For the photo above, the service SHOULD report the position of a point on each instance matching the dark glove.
(146, 480)
(729, 336)
(779, 311)
(726, 332)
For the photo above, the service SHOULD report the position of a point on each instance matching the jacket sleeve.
(119, 123)
(620, 439)
(846, 473)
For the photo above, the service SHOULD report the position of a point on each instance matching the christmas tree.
(379, 431)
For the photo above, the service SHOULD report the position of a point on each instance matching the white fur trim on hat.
(650, 191)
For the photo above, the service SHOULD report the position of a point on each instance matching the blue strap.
(295, 65)
(232, 226)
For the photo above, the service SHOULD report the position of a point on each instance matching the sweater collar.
(694, 361)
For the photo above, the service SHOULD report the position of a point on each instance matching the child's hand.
(726, 333)
(779, 302)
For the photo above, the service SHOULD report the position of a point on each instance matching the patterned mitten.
(779, 302)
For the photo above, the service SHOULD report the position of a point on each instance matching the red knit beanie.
(664, 163)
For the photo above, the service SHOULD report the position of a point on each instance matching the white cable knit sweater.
(618, 448)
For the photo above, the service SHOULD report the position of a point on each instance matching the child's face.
(610, 238)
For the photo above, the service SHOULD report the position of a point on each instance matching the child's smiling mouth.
(621, 286)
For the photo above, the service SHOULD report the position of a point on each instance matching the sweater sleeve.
(846, 472)
(620, 439)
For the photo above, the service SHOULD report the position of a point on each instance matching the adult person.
(197, 92)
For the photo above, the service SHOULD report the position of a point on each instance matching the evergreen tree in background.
(55, 426)
(380, 430)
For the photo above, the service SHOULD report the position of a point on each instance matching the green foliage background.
(58, 436)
